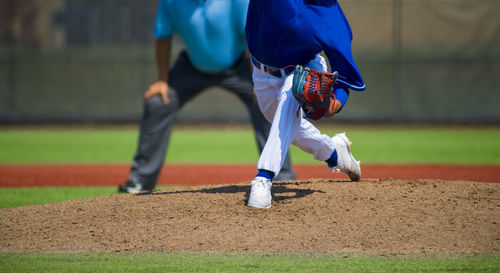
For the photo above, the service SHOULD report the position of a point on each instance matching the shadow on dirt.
(281, 190)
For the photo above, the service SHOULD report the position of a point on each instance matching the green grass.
(15, 197)
(25, 196)
(371, 144)
(457, 145)
(238, 262)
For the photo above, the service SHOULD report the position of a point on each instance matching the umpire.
(215, 55)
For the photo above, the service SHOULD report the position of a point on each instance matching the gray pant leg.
(155, 129)
(157, 122)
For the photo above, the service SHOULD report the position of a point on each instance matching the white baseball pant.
(278, 105)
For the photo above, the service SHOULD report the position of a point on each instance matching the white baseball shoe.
(345, 161)
(260, 193)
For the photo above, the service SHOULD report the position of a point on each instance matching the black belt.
(276, 72)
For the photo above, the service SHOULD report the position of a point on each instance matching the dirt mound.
(371, 216)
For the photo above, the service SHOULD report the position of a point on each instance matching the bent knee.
(155, 104)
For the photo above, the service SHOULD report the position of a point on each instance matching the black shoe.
(130, 187)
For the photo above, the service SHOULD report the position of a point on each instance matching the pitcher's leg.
(262, 128)
(309, 139)
(283, 129)
(238, 80)
(305, 136)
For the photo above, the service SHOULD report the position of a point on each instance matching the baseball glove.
(313, 90)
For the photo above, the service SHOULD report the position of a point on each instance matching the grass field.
(24, 196)
(238, 262)
(236, 144)
(372, 144)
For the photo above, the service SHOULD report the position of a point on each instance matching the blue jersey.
(212, 30)
(289, 32)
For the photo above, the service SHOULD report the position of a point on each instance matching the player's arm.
(339, 99)
(340, 93)
(162, 54)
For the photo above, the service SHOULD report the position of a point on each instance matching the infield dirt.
(319, 215)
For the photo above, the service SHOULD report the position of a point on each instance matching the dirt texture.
(379, 216)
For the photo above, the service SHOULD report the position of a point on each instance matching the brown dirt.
(379, 216)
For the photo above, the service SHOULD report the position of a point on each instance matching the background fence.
(91, 60)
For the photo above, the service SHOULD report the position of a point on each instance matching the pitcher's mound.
(371, 216)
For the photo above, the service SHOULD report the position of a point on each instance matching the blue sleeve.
(163, 27)
(341, 94)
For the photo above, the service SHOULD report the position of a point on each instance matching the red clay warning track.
(112, 175)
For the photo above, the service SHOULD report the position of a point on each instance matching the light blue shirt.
(212, 30)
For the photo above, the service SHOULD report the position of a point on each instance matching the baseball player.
(215, 55)
(280, 35)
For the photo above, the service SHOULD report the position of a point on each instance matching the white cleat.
(345, 161)
(260, 193)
